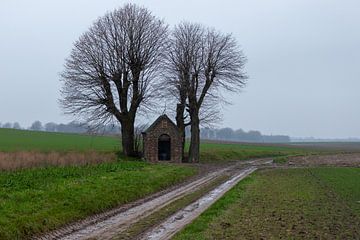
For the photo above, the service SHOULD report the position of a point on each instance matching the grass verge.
(34, 201)
(316, 203)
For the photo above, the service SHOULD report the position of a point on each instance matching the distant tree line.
(71, 127)
(228, 134)
(14, 125)
(225, 134)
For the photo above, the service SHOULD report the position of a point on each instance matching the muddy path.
(109, 224)
(177, 221)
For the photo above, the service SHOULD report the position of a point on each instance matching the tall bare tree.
(183, 57)
(203, 63)
(112, 68)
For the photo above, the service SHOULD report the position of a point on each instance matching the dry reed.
(23, 159)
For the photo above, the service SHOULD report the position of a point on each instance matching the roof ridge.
(156, 122)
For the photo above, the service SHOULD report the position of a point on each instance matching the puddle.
(183, 217)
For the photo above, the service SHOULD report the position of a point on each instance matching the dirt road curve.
(110, 224)
(183, 217)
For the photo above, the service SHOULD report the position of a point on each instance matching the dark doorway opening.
(164, 148)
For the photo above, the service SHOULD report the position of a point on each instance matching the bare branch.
(113, 67)
(202, 63)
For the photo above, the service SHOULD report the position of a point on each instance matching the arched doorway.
(164, 147)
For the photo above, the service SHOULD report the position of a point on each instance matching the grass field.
(20, 140)
(37, 200)
(220, 152)
(315, 203)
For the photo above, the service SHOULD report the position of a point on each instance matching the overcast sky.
(303, 59)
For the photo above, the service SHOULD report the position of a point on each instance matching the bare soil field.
(340, 160)
(329, 146)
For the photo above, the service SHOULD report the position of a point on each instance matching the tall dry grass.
(23, 159)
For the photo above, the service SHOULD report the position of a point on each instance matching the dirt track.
(109, 224)
(119, 222)
(176, 222)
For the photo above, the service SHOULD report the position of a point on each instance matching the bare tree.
(16, 125)
(7, 125)
(50, 127)
(183, 56)
(202, 64)
(112, 67)
(36, 126)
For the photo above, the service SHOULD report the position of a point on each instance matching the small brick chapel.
(162, 141)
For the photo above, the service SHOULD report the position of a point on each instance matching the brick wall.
(162, 126)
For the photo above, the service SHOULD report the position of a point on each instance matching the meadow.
(21, 140)
(312, 203)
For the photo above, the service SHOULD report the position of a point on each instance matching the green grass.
(316, 203)
(21, 140)
(281, 159)
(220, 152)
(37, 200)
(344, 181)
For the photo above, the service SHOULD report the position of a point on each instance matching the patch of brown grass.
(33, 159)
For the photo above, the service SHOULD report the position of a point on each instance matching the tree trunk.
(180, 122)
(127, 137)
(194, 151)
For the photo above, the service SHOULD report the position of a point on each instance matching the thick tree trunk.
(194, 151)
(127, 137)
(180, 122)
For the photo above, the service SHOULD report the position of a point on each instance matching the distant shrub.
(281, 160)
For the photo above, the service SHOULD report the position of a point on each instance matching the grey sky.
(303, 59)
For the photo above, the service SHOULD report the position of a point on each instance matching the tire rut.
(108, 224)
(180, 219)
